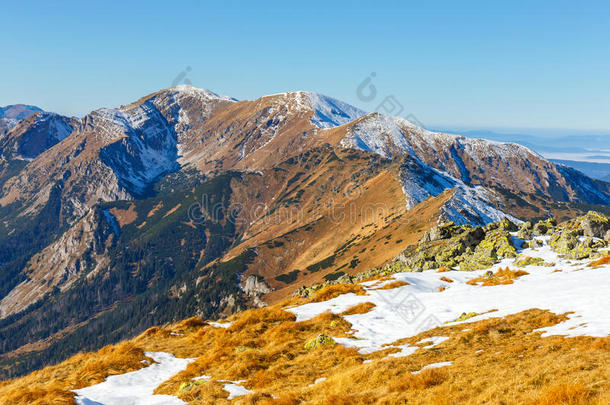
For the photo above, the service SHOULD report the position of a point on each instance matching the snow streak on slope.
(467, 205)
(385, 136)
(329, 112)
(406, 311)
(137, 387)
(377, 133)
(147, 147)
(470, 205)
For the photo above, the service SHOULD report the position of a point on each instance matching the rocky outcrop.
(542, 227)
(470, 248)
(81, 249)
(595, 225)
(581, 237)
(523, 261)
(255, 287)
(320, 340)
(496, 245)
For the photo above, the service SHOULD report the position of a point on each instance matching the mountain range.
(189, 203)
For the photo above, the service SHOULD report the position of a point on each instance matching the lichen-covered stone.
(543, 227)
(241, 349)
(496, 245)
(523, 260)
(595, 224)
(439, 232)
(505, 224)
(563, 241)
(318, 341)
(187, 386)
(566, 243)
(466, 315)
(525, 232)
(445, 252)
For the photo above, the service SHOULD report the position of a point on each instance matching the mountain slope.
(390, 336)
(12, 114)
(474, 161)
(189, 203)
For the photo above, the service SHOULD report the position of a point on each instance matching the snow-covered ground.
(406, 311)
(419, 306)
(235, 390)
(136, 387)
(434, 365)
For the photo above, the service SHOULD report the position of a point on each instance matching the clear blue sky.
(535, 64)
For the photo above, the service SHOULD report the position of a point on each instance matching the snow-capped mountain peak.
(204, 94)
(328, 112)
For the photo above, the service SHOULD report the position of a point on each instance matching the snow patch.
(418, 306)
(330, 112)
(136, 387)
(235, 390)
(221, 324)
(434, 365)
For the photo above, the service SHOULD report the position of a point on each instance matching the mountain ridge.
(139, 208)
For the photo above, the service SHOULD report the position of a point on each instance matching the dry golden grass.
(572, 394)
(361, 308)
(446, 279)
(379, 278)
(394, 284)
(600, 262)
(497, 360)
(501, 276)
(333, 291)
(443, 269)
(53, 384)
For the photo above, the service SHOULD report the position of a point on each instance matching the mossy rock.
(448, 252)
(567, 244)
(318, 341)
(496, 245)
(505, 224)
(525, 232)
(523, 261)
(241, 349)
(439, 232)
(543, 227)
(187, 386)
(587, 248)
(594, 224)
(466, 315)
(563, 241)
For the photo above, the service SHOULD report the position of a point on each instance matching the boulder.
(440, 232)
(567, 243)
(496, 245)
(525, 232)
(563, 241)
(507, 225)
(523, 261)
(543, 227)
(595, 224)
(318, 341)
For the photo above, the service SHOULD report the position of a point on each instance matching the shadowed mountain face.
(186, 202)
